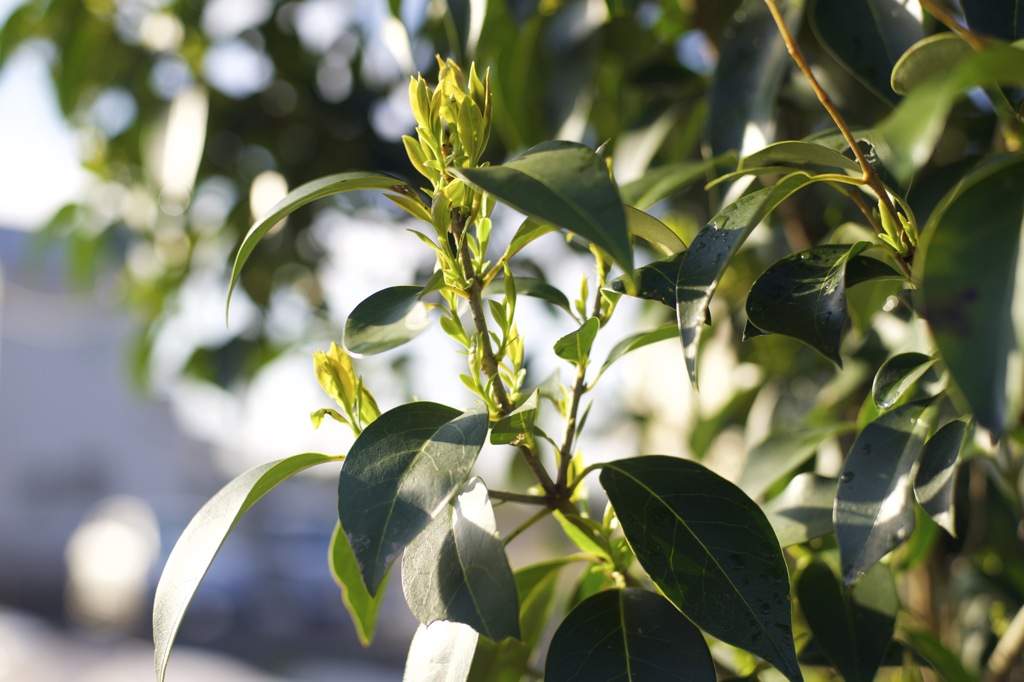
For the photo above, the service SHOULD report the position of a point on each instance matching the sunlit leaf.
(803, 510)
(652, 230)
(781, 453)
(440, 652)
(664, 181)
(936, 475)
(386, 320)
(797, 153)
(933, 55)
(575, 346)
(399, 474)
(946, 663)
(632, 635)
(896, 375)
(654, 282)
(201, 540)
(696, 534)
(361, 606)
(518, 424)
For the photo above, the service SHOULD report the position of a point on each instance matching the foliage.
(861, 233)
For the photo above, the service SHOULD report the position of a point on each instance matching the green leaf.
(797, 153)
(664, 181)
(565, 184)
(300, 196)
(874, 511)
(933, 55)
(575, 346)
(936, 475)
(803, 510)
(400, 474)
(529, 231)
(998, 18)
(780, 454)
(440, 652)
(360, 604)
(868, 37)
(584, 541)
(201, 540)
(696, 534)
(530, 286)
(456, 569)
(968, 281)
(654, 282)
(650, 229)
(631, 635)
(897, 375)
(946, 664)
(386, 320)
(854, 630)
(638, 340)
(518, 424)
(710, 253)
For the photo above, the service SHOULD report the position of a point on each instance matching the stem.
(506, 496)
(526, 524)
(857, 199)
(949, 21)
(1007, 650)
(565, 452)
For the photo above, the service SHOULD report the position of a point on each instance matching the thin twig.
(949, 21)
(506, 496)
(1007, 650)
(526, 524)
(569, 437)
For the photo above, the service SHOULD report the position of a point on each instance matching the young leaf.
(933, 483)
(202, 539)
(440, 652)
(697, 534)
(654, 282)
(638, 340)
(536, 288)
(803, 510)
(629, 634)
(853, 629)
(386, 320)
(968, 281)
(575, 346)
(518, 424)
(933, 55)
(798, 153)
(896, 376)
(399, 474)
(565, 184)
(361, 606)
(780, 454)
(874, 510)
(456, 569)
(300, 196)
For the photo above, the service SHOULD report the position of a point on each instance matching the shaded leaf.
(803, 510)
(936, 475)
(798, 153)
(201, 540)
(652, 230)
(518, 424)
(575, 346)
(531, 286)
(456, 569)
(386, 320)
(874, 511)
(967, 287)
(345, 569)
(781, 453)
(998, 18)
(664, 181)
(629, 634)
(440, 652)
(926, 58)
(654, 282)
(696, 534)
(638, 340)
(946, 663)
(399, 474)
(896, 376)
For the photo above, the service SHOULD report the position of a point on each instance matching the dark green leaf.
(456, 569)
(999, 18)
(797, 153)
(632, 635)
(536, 288)
(518, 424)
(934, 55)
(654, 282)
(855, 629)
(803, 510)
(946, 664)
(399, 474)
(868, 37)
(565, 184)
(440, 652)
(781, 453)
(639, 340)
(652, 230)
(201, 540)
(896, 376)
(659, 183)
(361, 606)
(967, 287)
(874, 511)
(385, 320)
(300, 196)
(696, 534)
(575, 346)
(936, 475)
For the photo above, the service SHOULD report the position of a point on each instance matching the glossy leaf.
(652, 230)
(456, 569)
(781, 453)
(998, 18)
(967, 287)
(654, 282)
(386, 320)
(936, 475)
(518, 424)
(638, 340)
(803, 510)
(664, 181)
(868, 36)
(440, 652)
(697, 534)
(300, 196)
(575, 346)
(201, 541)
(399, 474)
(360, 605)
(565, 184)
(874, 511)
(896, 376)
(933, 55)
(631, 635)
(853, 629)
(710, 252)
(798, 153)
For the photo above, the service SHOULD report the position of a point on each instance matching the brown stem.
(568, 438)
(506, 496)
(949, 21)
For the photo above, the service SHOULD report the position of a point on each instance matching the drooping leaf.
(711, 251)
(803, 510)
(386, 320)
(874, 511)
(664, 181)
(440, 652)
(798, 153)
(631, 635)
(652, 230)
(536, 288)
(998, 18)
(853, 629)
(360, 605)
(575, 346)
(518, 424)
(967, 287)
(868, 36)
(565, 184)
(201, 540)
(936, 475)
(896, 376)
(780, 454)
(399, 474)
(456, 569)
(300, 196)
(697, 534)
(933, 55)
(654, 282)
(639, 340)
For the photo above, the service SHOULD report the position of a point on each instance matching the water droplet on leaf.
(846, 477)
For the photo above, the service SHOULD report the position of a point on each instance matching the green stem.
(527, 524)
